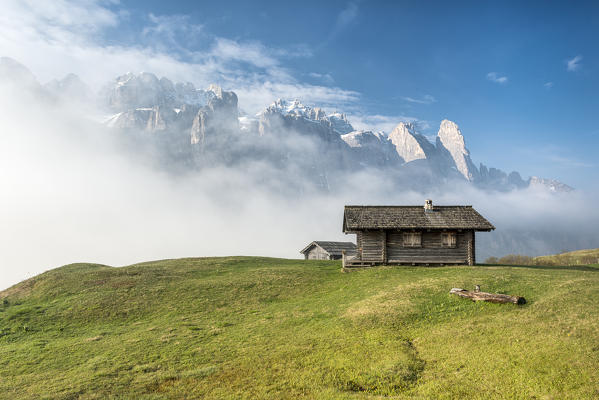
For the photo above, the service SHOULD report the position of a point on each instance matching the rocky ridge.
(197, 127)
(217, 121)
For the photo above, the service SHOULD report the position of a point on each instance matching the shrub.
(516, 259)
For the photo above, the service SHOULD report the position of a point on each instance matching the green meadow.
(265, 328)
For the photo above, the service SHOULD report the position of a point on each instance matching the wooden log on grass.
(490, 297)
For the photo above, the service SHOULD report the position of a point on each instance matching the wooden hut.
(414, 235)
(320, 250)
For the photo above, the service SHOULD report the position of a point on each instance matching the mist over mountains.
(195, 127)
(189, 128)
(147, 168)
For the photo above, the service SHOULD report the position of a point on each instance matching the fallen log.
(490, 297)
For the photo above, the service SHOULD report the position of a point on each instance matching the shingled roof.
(333, 248)
(413, 217)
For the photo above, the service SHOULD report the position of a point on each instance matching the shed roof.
(413, 217)
(333, 248)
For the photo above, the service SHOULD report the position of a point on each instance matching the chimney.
(428, 205)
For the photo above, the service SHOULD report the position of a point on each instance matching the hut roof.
(413, 217)
(333, 248)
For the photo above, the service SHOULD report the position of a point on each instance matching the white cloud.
(169, 25)
(574, 64)
(326, 78)
(172, 33)
(344, 19)
(252, 53)
(494, 77)
(79, 16)
(53, 40)
(384, 123)
(347, 15)
(426, 99)
(548, 85)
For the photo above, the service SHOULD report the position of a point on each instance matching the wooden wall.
(371, 243)
(316, 253)
(387, 247)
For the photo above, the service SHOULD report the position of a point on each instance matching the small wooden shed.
(321, 250)
(414, 235)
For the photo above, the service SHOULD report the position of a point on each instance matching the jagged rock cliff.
(216, 119)
(410, 145)
(451, 138)
(195, 127)
(371, 149)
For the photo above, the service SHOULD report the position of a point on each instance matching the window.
(448, 239)
(412, 239)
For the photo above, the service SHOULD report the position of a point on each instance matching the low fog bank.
(73, 191)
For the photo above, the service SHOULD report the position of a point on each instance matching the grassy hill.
(247, 327)
(578, 257)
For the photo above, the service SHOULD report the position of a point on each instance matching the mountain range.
(194, 128)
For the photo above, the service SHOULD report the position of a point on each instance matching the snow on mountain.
(210, 119)
(145, 90)
(451, 138)
(340, 123)
(199, 127)
(295, 109)
(362, 138)
(410, 145)
(551, 184)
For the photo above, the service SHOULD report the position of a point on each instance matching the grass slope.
(247, 327)
(577, 257)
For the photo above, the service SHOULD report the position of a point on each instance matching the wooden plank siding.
(372, 245)
(387, 247)
(431, 251)
(317, 253)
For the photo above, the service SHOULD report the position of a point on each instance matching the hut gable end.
(328, 250)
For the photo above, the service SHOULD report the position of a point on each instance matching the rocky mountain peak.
(409, 145)
(340, 123)
(211, 117)
(362, 138)
(551, 184)
(451, 138)
(217, 90)
(297, 110)
(144, 90)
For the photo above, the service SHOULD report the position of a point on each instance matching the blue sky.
(520, 78)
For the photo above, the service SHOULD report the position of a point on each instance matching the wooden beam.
(490, 297)
(473, 247)
(384, 247)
